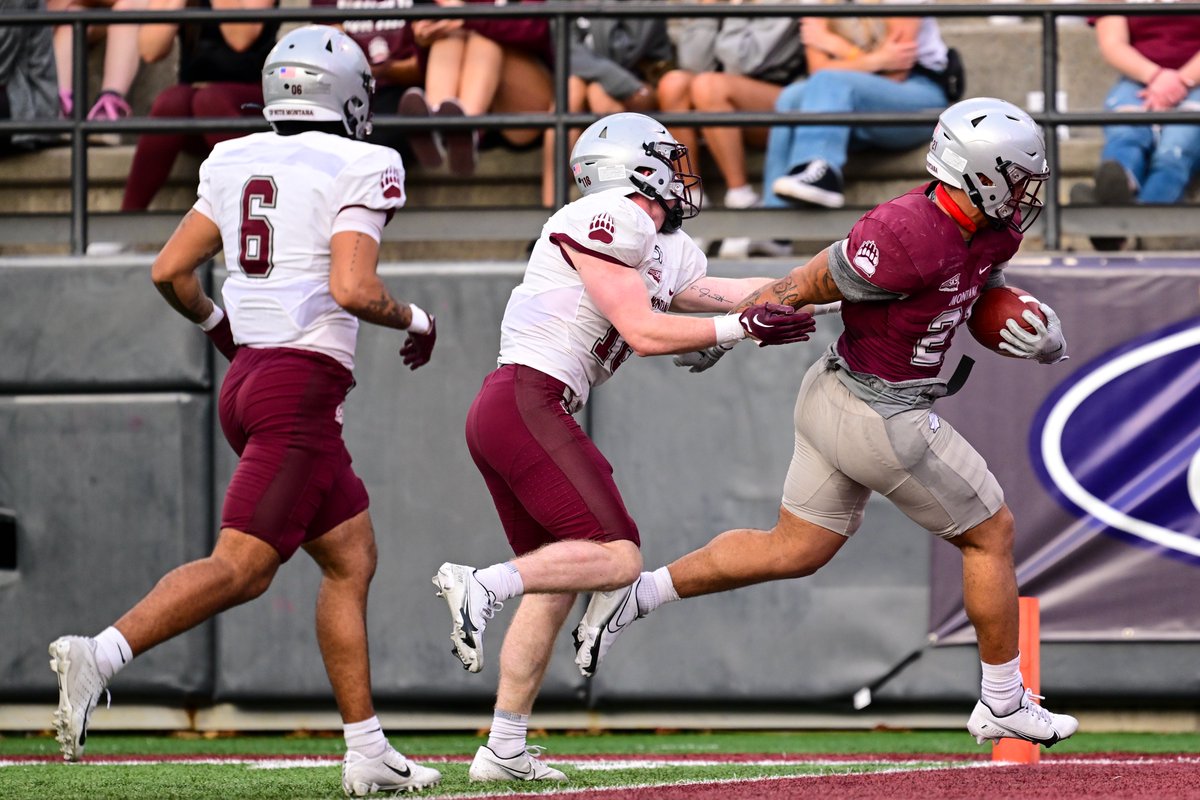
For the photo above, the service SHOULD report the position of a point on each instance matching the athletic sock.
(1002, 687)
(655, 589)
(365, 737)
(507, 737)
(112, 652)
(502, 580)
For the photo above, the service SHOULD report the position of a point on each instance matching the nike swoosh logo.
(468, 627)
(406, 773)
(985, 269)
(758, 321)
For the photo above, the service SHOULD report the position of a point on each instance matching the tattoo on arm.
(384, 310)
(811, 283)
(704, 291)
(167, 290)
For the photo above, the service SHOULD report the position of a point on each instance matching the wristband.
(420, 320)
(214, 319)
(827, 308)
(729, 329)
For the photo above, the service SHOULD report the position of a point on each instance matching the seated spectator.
(220, 71)
(731, 64)
(120, 63)
(615, 66)
(26, 78)
(479, 66)
(855, 64)
(390, 49)
(1159, 61)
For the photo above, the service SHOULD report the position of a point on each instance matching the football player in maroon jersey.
(906, 276)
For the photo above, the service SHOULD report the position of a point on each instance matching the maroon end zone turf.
(1112, 777)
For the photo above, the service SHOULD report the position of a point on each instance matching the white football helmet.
(318, 74)
(632, 151)
(994, 152)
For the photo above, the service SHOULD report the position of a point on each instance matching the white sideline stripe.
(597, 765)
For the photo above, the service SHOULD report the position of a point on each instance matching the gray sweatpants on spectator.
(27, 72)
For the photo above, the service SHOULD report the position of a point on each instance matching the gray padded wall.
(428, 503)
(82, 325)
(109, 492)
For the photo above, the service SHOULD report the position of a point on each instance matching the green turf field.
(809, 752)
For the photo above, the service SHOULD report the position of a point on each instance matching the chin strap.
(952, 208)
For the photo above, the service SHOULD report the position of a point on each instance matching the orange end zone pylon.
(1017, 750)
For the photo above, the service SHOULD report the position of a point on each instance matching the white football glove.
(1046, 345)
(704, 359)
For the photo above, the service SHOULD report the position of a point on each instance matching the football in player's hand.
(994, 309)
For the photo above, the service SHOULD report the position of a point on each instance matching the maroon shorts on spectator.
(281, 412)
(547, 478)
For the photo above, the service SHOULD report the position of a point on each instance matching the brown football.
(994, 308)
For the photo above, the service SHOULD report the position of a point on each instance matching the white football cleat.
(73, 659)
(525, 766)
(1030, 722)
(607, 615)
(389, 772)
(471, 606)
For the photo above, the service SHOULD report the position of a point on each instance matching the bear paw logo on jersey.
(1119, 442)
(389, 182)
(602, 228)
(867, 257)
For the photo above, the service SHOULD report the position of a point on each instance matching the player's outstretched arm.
(808, 284)
(194, 242)
(357, 287)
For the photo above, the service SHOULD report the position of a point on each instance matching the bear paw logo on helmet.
(602, 228)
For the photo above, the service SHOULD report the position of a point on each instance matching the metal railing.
(561, 13)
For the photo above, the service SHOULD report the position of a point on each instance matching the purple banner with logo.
(1099, 456)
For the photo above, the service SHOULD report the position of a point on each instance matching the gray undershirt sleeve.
(853, 286)
(996, 278)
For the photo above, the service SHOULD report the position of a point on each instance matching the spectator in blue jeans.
(1159, 62)
(1158, 59)
(855, 64)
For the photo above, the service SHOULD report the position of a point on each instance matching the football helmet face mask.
(994, 152)
(634, 152)
(318, 74)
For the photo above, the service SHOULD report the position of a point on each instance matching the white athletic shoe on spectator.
(525, 766)
(388, 772)
(607, 615)
(73, 659)
(471, 606)
(1030, 722)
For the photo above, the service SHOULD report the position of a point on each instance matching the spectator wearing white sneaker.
(300, 230)
(855, 64)
(120, 63)
(726, 65)
(863, 418)
(615, 66)
(601, 282)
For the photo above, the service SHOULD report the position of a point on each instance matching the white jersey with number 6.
(275, 199)
(552, 325)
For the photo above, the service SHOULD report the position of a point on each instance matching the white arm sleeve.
(364, 220)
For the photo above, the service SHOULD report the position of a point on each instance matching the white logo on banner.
(1056, 465)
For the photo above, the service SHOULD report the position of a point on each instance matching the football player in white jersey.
(599, 281)
(299, 212)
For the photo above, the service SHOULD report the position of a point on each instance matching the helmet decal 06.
(318, 74)
(994, 152)
(636, 153)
